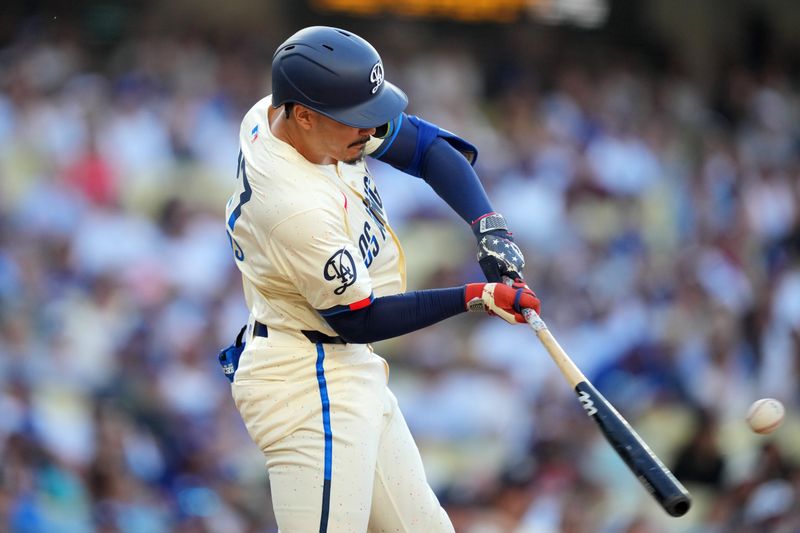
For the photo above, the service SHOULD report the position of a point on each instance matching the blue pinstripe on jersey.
(326, 424)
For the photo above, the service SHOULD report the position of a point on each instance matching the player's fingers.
(526, 299)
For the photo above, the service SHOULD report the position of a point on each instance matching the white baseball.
(765, 415)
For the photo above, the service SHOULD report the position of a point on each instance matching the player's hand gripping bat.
(648, 468)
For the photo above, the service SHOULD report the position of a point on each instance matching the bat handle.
(534, 320)
(570, 370)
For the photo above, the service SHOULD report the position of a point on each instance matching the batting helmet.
(336, 73)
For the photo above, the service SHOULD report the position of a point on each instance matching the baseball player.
(324, 276)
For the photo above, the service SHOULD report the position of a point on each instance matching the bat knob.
(679, 505)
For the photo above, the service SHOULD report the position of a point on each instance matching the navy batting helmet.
(336, 73)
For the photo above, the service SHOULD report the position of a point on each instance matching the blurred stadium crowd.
(661, 228)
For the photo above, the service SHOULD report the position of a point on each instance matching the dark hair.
(287, 108)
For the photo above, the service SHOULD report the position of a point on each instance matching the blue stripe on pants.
(326, 424)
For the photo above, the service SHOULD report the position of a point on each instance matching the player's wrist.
(473, 296)
(491, 223)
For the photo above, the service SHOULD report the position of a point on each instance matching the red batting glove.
(505, 301)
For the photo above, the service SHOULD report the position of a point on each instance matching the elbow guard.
(426, 134)
(418, 135)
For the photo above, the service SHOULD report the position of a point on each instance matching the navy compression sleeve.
(392, 316)
(444, 168)
(455, 181)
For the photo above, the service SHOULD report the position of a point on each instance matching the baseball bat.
(645, 465)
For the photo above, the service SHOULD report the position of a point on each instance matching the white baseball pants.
(339, 454)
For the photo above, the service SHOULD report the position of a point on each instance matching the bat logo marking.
(587, 403)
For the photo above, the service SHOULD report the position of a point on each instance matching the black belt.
(260, 330)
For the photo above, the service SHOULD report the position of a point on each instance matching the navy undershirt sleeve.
(445, 169)
(392, 316)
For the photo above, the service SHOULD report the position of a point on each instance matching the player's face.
(341, 142)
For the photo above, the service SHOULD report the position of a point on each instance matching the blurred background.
(644, 153)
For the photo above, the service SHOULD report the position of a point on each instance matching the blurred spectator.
(700, 461)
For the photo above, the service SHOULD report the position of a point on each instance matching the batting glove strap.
(473, 298)
(517, 298)
(489, 222)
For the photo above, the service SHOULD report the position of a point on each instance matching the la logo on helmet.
(376, 76)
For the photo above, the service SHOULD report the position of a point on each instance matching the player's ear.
(304, 116)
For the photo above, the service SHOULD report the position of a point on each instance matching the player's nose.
(367, 132)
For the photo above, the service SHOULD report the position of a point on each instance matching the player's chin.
(360, 154)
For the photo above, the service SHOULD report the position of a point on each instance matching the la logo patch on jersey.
(341, 267)
(376, 76)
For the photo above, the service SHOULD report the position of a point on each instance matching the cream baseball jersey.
(309, 239)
